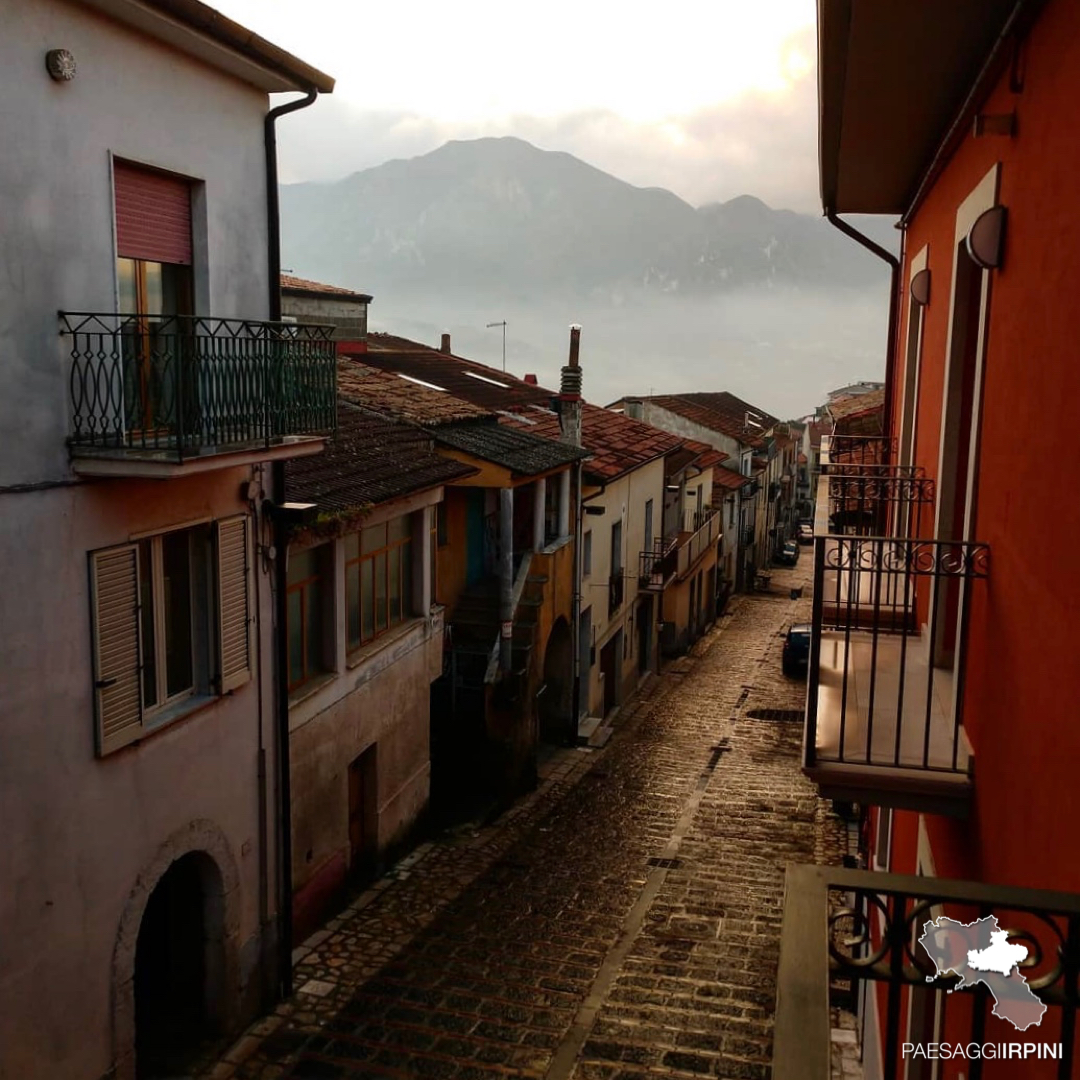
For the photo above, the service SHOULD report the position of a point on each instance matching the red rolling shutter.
(153, 215)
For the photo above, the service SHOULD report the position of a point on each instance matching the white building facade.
(141, 859)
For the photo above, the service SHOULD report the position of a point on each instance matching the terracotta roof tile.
(616, 443)
(722, 412)
(388, 393)
(476, 383)
(370, 460)
(316, 288)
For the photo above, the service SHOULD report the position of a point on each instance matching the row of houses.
(278, 589)
(942, 676)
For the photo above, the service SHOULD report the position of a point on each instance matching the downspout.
(575, 611)
(280, 572)
(894, 304)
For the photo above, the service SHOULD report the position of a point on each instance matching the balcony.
(852, 929)
(856, 453)
(885, 685)
(161, 396)
(615, 592)
(702, 529)
(656, 568)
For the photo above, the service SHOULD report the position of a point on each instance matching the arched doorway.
(179, 967)
(556, 701)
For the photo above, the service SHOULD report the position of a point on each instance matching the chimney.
(532, 380)
(445, 346)
(635, 408)
(570, 393)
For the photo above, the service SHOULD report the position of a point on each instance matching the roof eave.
(198, 30)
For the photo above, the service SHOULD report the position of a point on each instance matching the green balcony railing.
(181, 386)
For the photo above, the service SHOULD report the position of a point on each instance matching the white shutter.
(234, 664)
(114, 606)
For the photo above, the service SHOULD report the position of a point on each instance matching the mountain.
(503, 218)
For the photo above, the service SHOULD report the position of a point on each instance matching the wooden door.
(363, 813)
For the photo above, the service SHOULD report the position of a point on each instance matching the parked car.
(796, 655)
(788, 555)
(806, 533)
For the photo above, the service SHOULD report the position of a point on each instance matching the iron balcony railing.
(657, 566)
(705, 532)
(180, 386)
(889, 500)
(847, 453)
(885, 686)
(855, 928)
(615, 592)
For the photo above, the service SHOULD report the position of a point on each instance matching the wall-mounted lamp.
(60, 64)
(920, 287)
(986, 241)
(291, 514)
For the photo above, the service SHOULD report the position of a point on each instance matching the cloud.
(762, 143)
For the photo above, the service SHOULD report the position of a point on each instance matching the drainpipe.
(894, 304)
(280, 572)
(570, 431)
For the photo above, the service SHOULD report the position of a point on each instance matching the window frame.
(310, 669)
(405, 583)
(219, 588)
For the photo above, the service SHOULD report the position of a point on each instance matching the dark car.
(796, 657)
(788, 555)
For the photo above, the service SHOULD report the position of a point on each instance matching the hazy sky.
(708, 98)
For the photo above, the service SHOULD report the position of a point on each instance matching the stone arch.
(556, 702)
(222, 898)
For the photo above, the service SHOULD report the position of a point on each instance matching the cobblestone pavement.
(622, 922)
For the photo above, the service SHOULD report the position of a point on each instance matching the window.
(442, 526)
(170, 617)
(648, 525)
(551, 511)
(154, 281)
(378, 579)
(308, 575)
(616, 547)
(586, 554)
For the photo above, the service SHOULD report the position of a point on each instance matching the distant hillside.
(501, 218)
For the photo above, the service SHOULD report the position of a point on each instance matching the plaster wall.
(1021, 683)
(623, 499)
(82, 834)
(132, 98)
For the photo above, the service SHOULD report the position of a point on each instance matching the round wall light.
(60, 64)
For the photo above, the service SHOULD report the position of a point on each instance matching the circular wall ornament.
(60, 65)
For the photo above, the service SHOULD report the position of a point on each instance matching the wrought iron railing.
(181, 386)
(885, 684)
(706, 529)
(615, 592)
(859, 927)
(840, 452)
(889, 499)
(658, 566)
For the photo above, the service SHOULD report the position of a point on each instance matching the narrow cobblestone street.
(622, 922)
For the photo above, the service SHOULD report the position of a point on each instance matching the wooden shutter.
(153, 215)
(114, 600)
(234, 663)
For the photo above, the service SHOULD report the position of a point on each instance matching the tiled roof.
(388, 393)
(721, 412)
(523, 452)
(473, 382)
(304, 287)
(370, 460)
(856, 404)
(727, 478)
(707, 456)
(615, 442)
